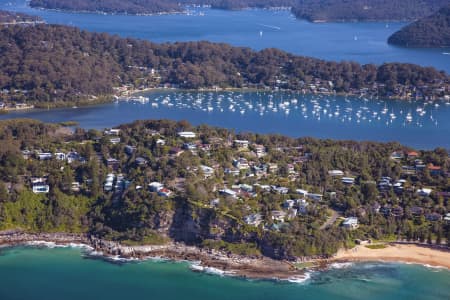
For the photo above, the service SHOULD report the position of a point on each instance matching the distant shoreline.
(220, 263)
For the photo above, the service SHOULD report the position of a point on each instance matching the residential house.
(75, 186)
(207, 171)
(336, 173)
(315, 197)
(280, 190)
(260, 150)
(26, 154)
(130, 149)
(425, 192)
(187, 134)
(433, 217)
(155, 186)
(350, 223)
(44, 155)
(41, 188)
(447, 218)
(241, 144)
(228, 193)
(232, 171)
(348, 180)
(140, 161)
(164, 192)
(434, 170)
(288, 203)
(112, 131)
(253, 219)
(412, 155)
(241, 163)
(302, 205)
(397, 155)
(214, 202)
(60, 156)
(112, 163)
(278, 215)
(302, 192)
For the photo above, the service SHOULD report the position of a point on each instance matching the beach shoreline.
(227, 264)
(397, 252)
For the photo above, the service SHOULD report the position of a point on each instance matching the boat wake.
(270, 26)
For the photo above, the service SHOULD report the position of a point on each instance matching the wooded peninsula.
(152, 182)
(51, 64)
(312, 10)
(429, 32)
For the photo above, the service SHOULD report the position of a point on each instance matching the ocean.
(66, 273)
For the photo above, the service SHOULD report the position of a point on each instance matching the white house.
(112, 131)
(348, 180)
(60, 156)
(424, 192)
(253, 219)
(228, 192)
(44, 155)
(302, 192)
(278, 215)
(350, 223)
(336, 173)
(187, 134)
(155, 186)
(241, 144)
(207, 171)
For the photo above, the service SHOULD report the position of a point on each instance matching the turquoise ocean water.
(65, 273)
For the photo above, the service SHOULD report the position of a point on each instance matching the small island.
(429, 32)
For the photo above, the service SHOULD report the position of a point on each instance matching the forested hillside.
(144, 183)
(312, 10)
(429, 32)
(58, 63)
(13, 17)
(111, 6)
(363, 10)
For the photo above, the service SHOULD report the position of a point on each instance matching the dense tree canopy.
(312, 10)
(132, 212)
(429, 32)
(363, 10)
(59, 63)
(14, 17)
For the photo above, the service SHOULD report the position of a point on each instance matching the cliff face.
(429, 32)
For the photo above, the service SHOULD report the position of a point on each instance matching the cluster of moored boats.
(316, 107)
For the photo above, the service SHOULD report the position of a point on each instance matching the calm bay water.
(258, 29)
(63, 273)
(286, 113)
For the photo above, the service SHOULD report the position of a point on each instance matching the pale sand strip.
(397, 253)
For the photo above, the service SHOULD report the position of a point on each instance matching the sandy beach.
(396, 252)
